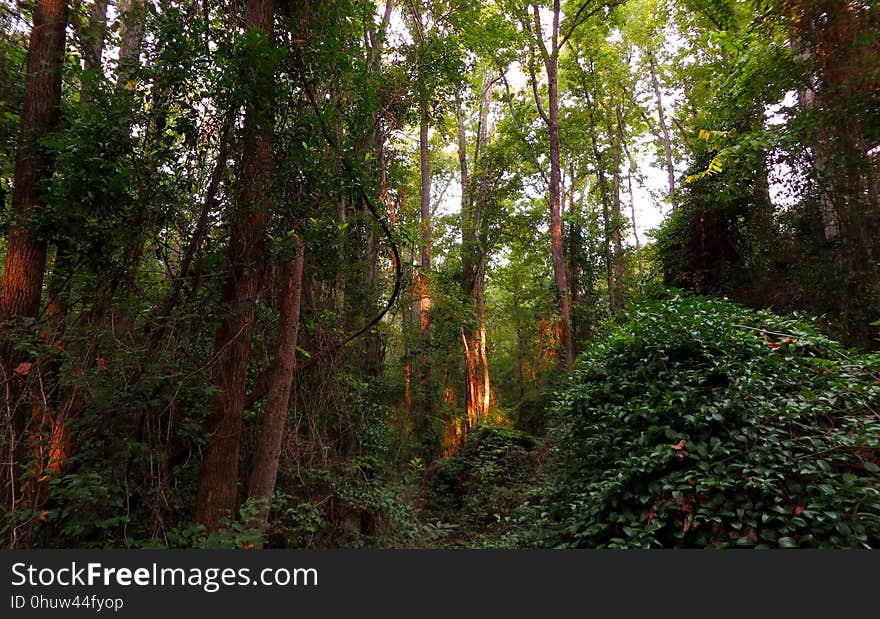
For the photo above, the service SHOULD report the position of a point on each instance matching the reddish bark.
(551, 118)
(25, 263)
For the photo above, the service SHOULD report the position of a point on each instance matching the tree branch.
(579, 18)
(521, 132)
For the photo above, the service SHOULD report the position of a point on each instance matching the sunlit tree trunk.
(557, 252)
(605, 200)
(616, 218)
(218, 481)
(425, 216)
(477, 382)
(425, 400)
(132, 15)
(632, 197)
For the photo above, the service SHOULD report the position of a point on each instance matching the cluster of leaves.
(699, 423)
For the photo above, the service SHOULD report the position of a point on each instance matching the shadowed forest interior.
(440, 273)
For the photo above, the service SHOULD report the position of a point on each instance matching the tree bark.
(24, 267)
(632, 198)
(132, 14)
(605, 201)
(550, 59)
(556, 243)
(267, 452)
(425, 400)
(425, 217)
(218, 481)
(477, 381)
(92, 44)
(575, 241)
(616, 235)
(373, 357)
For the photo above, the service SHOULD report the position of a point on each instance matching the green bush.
(492, 458)
(699, 423)
(479, 489)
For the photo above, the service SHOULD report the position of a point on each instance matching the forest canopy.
(440, 273)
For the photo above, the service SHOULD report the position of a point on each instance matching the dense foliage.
(311, 274)
(699, 423)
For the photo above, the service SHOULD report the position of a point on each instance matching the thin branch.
(538, 33)
(534, 84)
(580, 18)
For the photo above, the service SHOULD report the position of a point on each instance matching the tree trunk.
(339, 284)
(575, 240)
(632, 198)
(477, 382)
(267, 452)
(556, 249)
(23, 269)
(373, 357)
(92, 45)
(425, 215)
(218, 481)
(606, 207)
(521, 346)
(25, 263)
(424, 396)
(664, 129)
(132, 14)
(51, 410)
(616, 235)
(373, 351)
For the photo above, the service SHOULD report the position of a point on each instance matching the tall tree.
(132, 14)
(245, 263)
(550, 59)
(24, 268)
(92, 36)
(662, 123)
(549, 51)
(474, 257)
(376, 142)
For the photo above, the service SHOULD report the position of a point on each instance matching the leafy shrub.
(699, 423)
(349, 505)
(491, 457)
(481, 487)
(530, 414)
